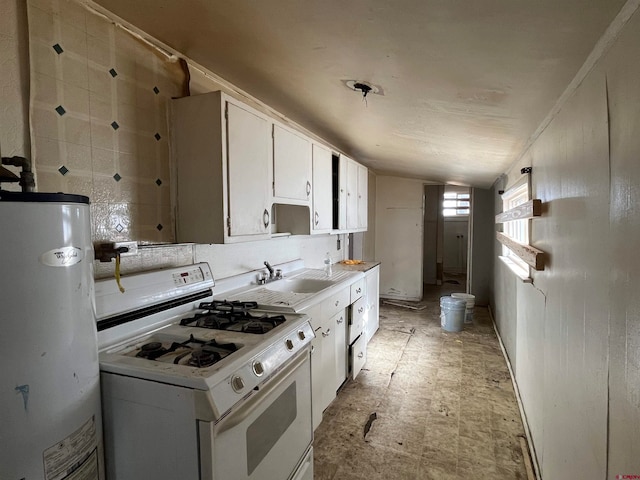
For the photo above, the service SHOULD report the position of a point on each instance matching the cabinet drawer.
(357, 290)
(335, 303)
(358, 356)
(356, 323)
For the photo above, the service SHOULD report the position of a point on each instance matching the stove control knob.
(289, 344)
(301, 335)
(237, 383)
(258, 368)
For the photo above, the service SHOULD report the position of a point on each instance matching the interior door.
(248, 170)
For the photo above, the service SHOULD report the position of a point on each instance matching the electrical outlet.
(132, 246)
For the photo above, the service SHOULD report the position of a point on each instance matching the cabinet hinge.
(226, 112)
(229, 223)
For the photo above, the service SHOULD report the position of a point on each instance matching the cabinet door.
(356, 323)
(372, 291)
(317, 396)
(342, 192)
(322, 189)
(328, 367)
(291, 165)
(363, 185)
(352, 195)
(248, 170)
(341, 346)
(358, 353)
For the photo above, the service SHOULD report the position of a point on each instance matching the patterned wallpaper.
(99, 120)
(14, 123)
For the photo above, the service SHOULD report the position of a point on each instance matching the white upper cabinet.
(322, 214)
(291, 166)
(352, 195)
(223, 156)
(363, 200)
(248, 159)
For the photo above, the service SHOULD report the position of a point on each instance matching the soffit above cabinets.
(457, 88)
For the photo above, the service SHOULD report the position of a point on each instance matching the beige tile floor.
(444, 403)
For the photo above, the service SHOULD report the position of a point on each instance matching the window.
(455, 204)
(517, 230)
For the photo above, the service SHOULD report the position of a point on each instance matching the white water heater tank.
(50, 420)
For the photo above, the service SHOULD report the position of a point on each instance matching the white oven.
(267, 435)
(245, 415)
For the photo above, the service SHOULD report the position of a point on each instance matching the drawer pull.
(358, 290)
(361, 309)
(337, 302)
(327, 333)
(340, 320)
(360, 355)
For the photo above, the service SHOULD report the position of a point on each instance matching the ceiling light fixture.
(363, 87)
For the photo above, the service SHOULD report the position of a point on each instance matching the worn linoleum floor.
(444, 405)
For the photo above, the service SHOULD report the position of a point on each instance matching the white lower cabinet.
(358, 354)
(329, 350)
(340, 342)
(372, 295)
(318, 363)
(340, 327)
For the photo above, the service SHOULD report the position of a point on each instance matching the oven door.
(268, 435)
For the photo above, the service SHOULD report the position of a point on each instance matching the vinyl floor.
(428, 405)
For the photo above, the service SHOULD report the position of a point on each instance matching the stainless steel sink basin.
(298, 285)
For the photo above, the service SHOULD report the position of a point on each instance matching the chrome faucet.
(273, 274)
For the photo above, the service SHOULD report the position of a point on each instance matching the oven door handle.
(248, 407)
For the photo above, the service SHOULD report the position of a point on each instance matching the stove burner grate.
(203, 353)
(231, 306)
(234, 317)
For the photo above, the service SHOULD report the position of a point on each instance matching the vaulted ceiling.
(463, 84)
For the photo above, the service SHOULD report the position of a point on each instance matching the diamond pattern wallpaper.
(99, 100)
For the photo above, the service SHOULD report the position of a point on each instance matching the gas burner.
(151, 346)
(203, 358)
(155, 350)
(233, 306)
(193, 352)
(233, 316)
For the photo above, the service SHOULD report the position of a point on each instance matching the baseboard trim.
(530, 446)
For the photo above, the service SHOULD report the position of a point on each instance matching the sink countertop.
(362, 267)
(293, 301)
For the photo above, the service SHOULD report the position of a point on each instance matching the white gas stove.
(200, 389)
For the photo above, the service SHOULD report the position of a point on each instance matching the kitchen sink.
(299, 285)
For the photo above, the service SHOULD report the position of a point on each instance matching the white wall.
(399, 229)
(482, 239)
(572, 335)
(432, 215)
(228, 260)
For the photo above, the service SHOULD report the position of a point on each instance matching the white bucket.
(470, 299)
(452, 313)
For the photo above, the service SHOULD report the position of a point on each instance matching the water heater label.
(73, 457)
(62, 257)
